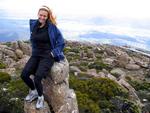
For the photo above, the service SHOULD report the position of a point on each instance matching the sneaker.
(33, 94)
(40, 102)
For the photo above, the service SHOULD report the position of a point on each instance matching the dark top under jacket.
(41, 40)
(56, 39)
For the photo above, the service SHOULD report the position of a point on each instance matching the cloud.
(77, 17)
(138, 9)
(119, 29)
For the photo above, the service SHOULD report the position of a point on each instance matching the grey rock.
(19, 53)
(92, 72)
(30, 108)
(14, 45)
(21, 63)
(9, 53)
(71, 53)
(132, 92)
(26, 49)
(122, 60)
(56, 89)
(74, 69)
(110, 77)
(132, 67)
(101, 74)
(118, 72)
(8, 61)
(10, 71)
(141, 62)
(90, 54)
(60, 71)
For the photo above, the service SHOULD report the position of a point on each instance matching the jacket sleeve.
(59, 45)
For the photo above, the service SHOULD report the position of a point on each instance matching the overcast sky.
(132, 9)
(126, 17)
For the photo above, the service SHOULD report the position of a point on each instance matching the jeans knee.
(37, 79)
(24, 74)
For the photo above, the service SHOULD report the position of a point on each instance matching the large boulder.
(56, 89)
(122, 60)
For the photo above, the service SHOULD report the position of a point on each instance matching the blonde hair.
(51, 17)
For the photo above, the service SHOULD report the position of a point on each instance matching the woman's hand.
(52, 54)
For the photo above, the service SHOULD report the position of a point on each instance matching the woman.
(47, 47)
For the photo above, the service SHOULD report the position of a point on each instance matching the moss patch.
(2, 65)
(12, 99)
(99, 91)
(4, 77)
(99, 65)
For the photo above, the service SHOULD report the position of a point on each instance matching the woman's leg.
(30, 68)
(44, 67)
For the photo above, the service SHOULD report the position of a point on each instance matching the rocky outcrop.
(7, 51)
(115, 63)
(58, 95)
(56, 89)
(14, 56)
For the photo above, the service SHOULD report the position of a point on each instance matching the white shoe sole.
(35, 97)
(40, 107)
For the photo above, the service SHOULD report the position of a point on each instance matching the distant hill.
(18, 29)
(12, 30)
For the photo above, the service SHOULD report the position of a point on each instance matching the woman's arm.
(60, 43)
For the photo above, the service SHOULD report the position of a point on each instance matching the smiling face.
(42, 16)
